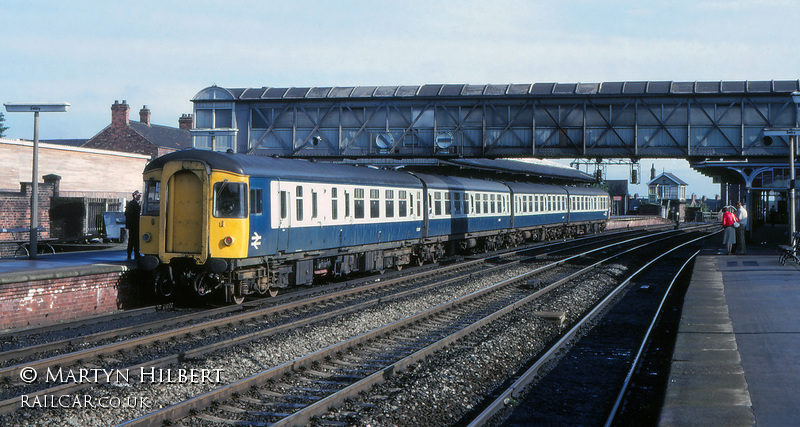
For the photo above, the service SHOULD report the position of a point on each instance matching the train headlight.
(227, 241)
(146, 237)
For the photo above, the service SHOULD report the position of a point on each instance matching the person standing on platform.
(741, 213)
(132, 210)
(729, 233)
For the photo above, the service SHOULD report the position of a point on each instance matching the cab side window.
(230, 200)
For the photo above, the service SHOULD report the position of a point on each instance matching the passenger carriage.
(250, 224)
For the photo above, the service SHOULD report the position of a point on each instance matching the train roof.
(586, 191)
(460, 183)
(287, 169)
(527, 187)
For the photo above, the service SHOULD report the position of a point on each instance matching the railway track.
(297, 315)
(297, 392)
(570, 371)
(15, 348)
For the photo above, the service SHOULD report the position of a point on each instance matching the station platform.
(115, 256)
(736, 361)
(65, 286)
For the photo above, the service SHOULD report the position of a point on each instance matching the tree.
(2, 128)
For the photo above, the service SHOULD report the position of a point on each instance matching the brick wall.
(15, 212)
(45, 300)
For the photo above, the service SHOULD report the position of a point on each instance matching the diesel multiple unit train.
(239, 224)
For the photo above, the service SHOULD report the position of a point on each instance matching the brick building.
(76, 185)
(141, 137)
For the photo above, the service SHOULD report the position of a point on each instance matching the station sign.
(60, 107)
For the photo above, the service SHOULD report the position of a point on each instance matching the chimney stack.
(144, 115)
(185, 122)
(119, 114)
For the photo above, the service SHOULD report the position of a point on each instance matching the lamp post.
(36, 109)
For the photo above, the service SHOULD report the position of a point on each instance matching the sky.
(162, 53)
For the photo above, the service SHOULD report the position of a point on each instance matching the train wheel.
(237, 296)
(163, 284)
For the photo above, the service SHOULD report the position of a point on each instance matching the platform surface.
(737, 356)
(65, 260)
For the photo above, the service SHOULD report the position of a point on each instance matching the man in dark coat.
(132, 210)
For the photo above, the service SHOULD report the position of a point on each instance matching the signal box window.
(229, 200)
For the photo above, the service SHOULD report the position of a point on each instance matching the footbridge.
(627, 120)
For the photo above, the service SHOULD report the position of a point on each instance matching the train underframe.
(263, 276)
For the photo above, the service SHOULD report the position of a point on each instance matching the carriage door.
(284, 216)
(185, 213)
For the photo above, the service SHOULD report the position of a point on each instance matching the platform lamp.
(35, 109)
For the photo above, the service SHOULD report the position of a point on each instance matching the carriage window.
(229, 200)
(389, 203)
(313, 204)
(284, 205)
(447, 203)
(457, 203)
(374, 203)
(419, 200)
(152, 198)
(358, 208)
(299, 197)
(492, 204)
(334, 203)
(402, 205)
(346, 204)
(438, 204)
(485, 203)
(256, 207)
(465, 202)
